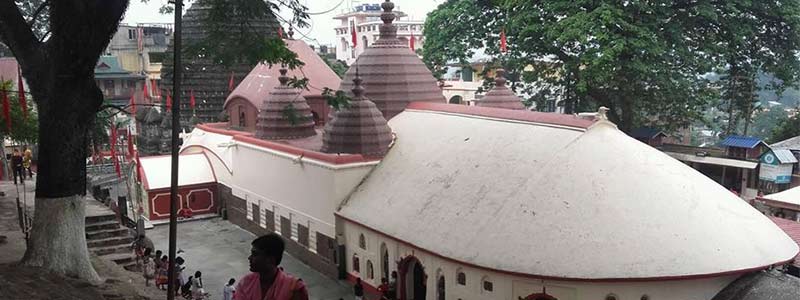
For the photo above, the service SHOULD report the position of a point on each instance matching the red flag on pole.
(145, 95)
(169, 102)
(7, 110)
(353, 35)
(411, 42)
(503, 46)
(113, 143)
(140, 38)
(138, 167)
(23, 103)
(280, 32)
(230, 83)
(191, 99)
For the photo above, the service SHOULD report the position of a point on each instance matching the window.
(302, 235)
(362, 242)
(488, 286)
(356, 266)
(645, 297)
(611, 297)
(370, 273)
(461, 278)
(131, 34)
(286, 228)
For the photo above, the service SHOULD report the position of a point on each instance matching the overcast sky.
(321, 24)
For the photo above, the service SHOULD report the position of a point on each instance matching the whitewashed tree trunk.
(58, 242)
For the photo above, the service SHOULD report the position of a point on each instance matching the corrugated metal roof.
(719, 161)
(785, 156)
(109, 67)
(741, 141)
(791, 144)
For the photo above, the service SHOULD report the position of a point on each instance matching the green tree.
(765, 121)
(643, 60)
(23, 129)
(59, 69)
(786, 129)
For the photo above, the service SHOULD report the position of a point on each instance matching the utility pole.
(176, 121)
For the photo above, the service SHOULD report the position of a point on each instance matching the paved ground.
(219, 250)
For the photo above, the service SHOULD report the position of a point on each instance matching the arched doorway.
(440, 295)
(413, 280)
(384, 261)
(456, 99)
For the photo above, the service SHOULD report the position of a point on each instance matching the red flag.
(113, 144)
(353, 34)
(280, 32)
(230, 83)
(140, 38)
(23, 103)
(411, 42)
(138, 167)
(169, 102)
(145, 95)
(191, 99)
(503, 46)
(7, 110)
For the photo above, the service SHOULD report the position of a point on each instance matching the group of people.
(155, 267)
(387, 289)
(266, 281)
(21, 164)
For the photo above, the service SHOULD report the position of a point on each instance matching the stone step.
(120, 258)
(126, 249)
(111, 241)
(132, 266)
(100, 218)
(107, 233)
(102, 225)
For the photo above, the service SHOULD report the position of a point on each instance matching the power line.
(326, 11)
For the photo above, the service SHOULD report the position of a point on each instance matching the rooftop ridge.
(507, 114)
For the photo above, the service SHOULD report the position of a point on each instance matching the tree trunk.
(58, 240)
(60, 74)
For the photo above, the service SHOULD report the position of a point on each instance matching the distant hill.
(790, 97)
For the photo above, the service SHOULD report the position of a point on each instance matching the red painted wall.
(201, 199)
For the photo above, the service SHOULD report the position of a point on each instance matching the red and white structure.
(197, 186)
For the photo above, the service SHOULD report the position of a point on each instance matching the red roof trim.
(534, 276)
(792, 229)
(500, 113)
(186, 186)
(778, 204)
(325, 157)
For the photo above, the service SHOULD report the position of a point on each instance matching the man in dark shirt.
(16, 166)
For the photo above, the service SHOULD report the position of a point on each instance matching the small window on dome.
(611, 297)
(645, 297)
(362, 242)
(461, 278)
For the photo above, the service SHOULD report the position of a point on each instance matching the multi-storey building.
(366, 20)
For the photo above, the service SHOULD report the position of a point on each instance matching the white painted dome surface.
(557, 202)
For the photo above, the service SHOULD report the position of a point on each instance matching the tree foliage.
(786, 129)
(23, 129)
(642, 59)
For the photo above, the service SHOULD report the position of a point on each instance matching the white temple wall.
(509, 286)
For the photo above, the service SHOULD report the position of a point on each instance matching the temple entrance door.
(412, 274)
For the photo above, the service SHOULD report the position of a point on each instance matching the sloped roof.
(790, 196)
(108, 67)
(192, 169)
(784, 156)
(792, 229)
(563, 203)
(646, 133)
(263, 78)
(791, 144)
(764, 285)
(738, 141)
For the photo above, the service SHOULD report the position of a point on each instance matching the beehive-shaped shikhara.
(285, 114)
(500, 96)
(359, 128)
(392, 74)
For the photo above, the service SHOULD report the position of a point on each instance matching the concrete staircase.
(106, 238)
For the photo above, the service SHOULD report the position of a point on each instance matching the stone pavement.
(219, 249)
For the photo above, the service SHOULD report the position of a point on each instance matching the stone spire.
(285, 114)
(359, 128)
(393, 75)
(500, 96)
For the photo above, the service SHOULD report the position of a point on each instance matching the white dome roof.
(557, 202)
